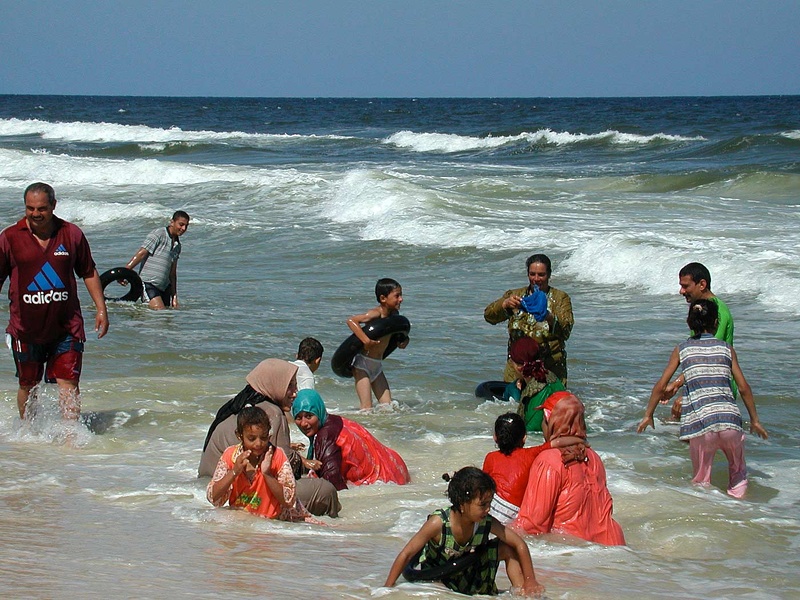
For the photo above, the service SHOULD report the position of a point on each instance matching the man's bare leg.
(69, 399)
(23, 396)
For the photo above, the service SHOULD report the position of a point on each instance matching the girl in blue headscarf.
(341, 450)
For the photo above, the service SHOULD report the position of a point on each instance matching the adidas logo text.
(45, 297)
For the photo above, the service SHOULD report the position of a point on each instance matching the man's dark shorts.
(63, 359)
(151, 291)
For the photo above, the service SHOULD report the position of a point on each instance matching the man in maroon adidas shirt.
(41, 254)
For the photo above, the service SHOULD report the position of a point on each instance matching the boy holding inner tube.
(368, 365)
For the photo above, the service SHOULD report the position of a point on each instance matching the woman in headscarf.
(342, 451)
(535, 382)
(271, 386)
(567, 490)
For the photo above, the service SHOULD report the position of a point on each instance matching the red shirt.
(510, 472)
(43, 293)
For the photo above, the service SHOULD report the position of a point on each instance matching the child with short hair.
(453, 545)
(255, 475)
(309, 357)
(710, 419)
(368, 365)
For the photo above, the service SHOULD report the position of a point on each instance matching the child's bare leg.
(363, 389)
(380, 388)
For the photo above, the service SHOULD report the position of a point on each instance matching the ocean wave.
(104, 133)
(640, 242)
(649, 261)
(18, 167)
(746, 183)
(389, 206)
(448, 143)
(786, 140)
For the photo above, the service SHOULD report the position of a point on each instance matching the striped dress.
(709, 404)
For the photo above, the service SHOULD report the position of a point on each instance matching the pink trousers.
(702, 450)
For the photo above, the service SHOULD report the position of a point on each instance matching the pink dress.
(571, 499)
(365, 460)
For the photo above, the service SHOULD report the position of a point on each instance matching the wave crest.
(102, 132)
(447, 143)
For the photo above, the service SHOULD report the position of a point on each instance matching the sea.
(298, 206)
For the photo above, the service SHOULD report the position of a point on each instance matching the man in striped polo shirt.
(159, 257)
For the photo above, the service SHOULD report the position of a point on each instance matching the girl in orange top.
(510, 465)
(255, 475)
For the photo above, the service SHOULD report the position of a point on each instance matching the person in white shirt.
(309, 357)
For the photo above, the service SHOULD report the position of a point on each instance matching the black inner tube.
(133, 290)
(395, 325)
(491, 390)
(415, 572)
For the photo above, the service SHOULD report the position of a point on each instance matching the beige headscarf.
(567, 419)
(271, 378)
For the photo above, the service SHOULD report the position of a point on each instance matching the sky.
(403, 48)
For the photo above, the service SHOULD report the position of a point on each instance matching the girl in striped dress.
(710, 419)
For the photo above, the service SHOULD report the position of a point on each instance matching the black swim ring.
(416, 572)
(491, 390)
(395, 325)
(134, 289)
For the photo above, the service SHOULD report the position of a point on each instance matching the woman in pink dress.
(567, 490)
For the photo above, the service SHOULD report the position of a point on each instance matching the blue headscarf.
(310, 401)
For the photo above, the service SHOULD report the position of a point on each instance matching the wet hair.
(697, 272)
(467, 484)
(540, 258)
(384, 287)
(702, 317)
(251, 415)
(310, 349)
(43, 188)
(180, 214)
(509, 429)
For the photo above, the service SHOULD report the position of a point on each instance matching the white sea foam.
(21, 167)
(385, 206)
(115, 133)
(621, 259)
(451, 143)
(794, 134)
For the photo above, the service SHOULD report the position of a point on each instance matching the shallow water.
(297, 207)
